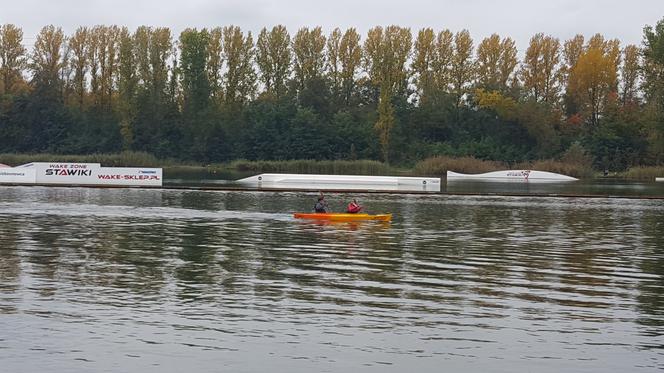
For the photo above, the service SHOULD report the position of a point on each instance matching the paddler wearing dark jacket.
(321, 205)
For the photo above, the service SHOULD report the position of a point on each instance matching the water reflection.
(170, 280)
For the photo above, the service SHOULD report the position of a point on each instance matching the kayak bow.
(342, 216)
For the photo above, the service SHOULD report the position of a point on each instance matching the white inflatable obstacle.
(511, 175)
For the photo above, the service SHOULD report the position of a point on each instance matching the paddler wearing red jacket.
(353, 207)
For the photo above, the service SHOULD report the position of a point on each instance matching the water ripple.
(138, 280)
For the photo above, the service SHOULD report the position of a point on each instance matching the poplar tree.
(78, 44)
(309, 57)
(630, 73)
(13, 58)
(240, 77)
(496, 61)
(463, 66)
(424, 57)
(540, 70)
(350, 57)
(273, 57)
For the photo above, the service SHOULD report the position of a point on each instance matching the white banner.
(129, 176)
(17, 176)
(92, 174)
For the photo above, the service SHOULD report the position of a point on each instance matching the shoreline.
(467, 165)
(344, 191)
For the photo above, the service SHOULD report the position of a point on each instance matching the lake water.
(128, 280)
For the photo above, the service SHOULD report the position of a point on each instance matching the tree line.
(219, 94)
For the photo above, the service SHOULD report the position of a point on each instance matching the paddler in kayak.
(353, 207)
(321, 205)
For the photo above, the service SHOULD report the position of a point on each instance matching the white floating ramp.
(350, 182)
(512, 175)
(659, 179)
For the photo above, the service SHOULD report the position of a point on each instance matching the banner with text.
(92, 174)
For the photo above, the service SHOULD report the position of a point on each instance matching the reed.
(439, 165)
(644, 172)
(123, 159)
(579, 171)
(305, 166)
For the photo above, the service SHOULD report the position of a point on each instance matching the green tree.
(127, 87)
(196, 91)
(153, 129)
(653, 54)
(385, 123)
(194, 77)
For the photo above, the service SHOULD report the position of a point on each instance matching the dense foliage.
(218, 95)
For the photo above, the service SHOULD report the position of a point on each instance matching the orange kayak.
(342, 216)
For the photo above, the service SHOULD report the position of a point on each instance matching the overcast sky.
(519, 19)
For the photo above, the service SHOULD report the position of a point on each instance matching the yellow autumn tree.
(13, 59)
(504, 106)
(594, 76)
